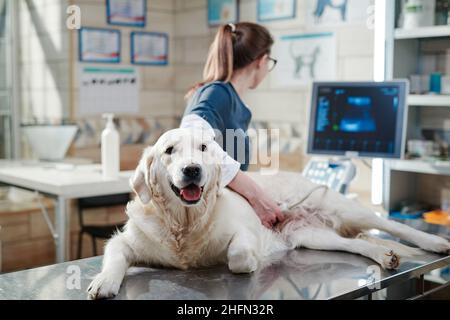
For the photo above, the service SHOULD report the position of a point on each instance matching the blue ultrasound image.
(358, 115)
(356, 119)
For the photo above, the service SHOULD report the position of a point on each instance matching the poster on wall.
(99, 45)
(222, 12)
(303, 58)
(126, 12)
(149, 48)
(108, 90)
(337, 12)
(269, 10)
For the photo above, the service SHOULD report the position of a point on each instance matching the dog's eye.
(169, 150)
(203, 147)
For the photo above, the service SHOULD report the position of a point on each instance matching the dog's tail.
(398, 248)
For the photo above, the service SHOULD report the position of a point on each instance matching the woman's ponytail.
(220, 61)
(235, 46)
(219, 65)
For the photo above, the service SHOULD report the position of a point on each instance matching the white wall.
(163, 88)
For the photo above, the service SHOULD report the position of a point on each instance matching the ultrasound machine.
(350, 120)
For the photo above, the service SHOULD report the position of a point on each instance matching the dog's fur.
(163, 230)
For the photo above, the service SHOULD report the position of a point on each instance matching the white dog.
(183, 218)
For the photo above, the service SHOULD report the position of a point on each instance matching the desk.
(62, 182)
(298, 274)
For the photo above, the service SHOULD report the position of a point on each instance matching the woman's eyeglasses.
(272, 63)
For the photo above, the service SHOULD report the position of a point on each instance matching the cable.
(366, 163)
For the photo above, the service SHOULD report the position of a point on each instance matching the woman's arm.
(266, 209)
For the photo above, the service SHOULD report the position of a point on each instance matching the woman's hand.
(266, 209)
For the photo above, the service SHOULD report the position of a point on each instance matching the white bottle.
(110, 149)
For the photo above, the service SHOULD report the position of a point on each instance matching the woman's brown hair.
(235, 47)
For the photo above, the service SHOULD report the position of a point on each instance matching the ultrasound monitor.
(358, 119)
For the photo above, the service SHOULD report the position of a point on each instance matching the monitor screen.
(365, 119)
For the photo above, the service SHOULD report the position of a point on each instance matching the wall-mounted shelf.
(405, 54)
(423, 32)
(430, 100)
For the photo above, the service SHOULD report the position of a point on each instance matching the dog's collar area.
(178, 193)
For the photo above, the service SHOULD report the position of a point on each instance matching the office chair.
(98, 231)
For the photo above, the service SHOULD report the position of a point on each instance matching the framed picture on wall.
(269, 10)
(99, 45)
(149, 48)
(222, 12)
(132, 13)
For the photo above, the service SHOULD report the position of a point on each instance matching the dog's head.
(179, 168)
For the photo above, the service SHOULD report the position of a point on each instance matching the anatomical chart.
(303, 58)
(337, 12)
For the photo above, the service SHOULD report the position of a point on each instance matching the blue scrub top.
(219, 104)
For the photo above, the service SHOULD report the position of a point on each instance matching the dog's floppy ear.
(139, 182)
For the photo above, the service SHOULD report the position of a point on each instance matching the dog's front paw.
(242, 262)
(386, 257)
(104, 286)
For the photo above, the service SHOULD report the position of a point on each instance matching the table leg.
(62, 219)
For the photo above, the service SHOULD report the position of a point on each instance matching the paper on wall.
(108, 90)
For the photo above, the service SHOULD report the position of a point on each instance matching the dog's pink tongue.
(191, 193)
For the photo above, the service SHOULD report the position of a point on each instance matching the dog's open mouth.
(190, 194)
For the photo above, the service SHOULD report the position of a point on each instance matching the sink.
(50, 142)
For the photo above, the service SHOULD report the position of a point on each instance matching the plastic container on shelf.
(418, 13)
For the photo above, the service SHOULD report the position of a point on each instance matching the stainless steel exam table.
(298, 274)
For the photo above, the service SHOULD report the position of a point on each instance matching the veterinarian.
(239, 59)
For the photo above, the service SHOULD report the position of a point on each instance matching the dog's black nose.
(192, 171)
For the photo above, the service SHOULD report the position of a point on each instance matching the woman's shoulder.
(217, 89)
(210, 97)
